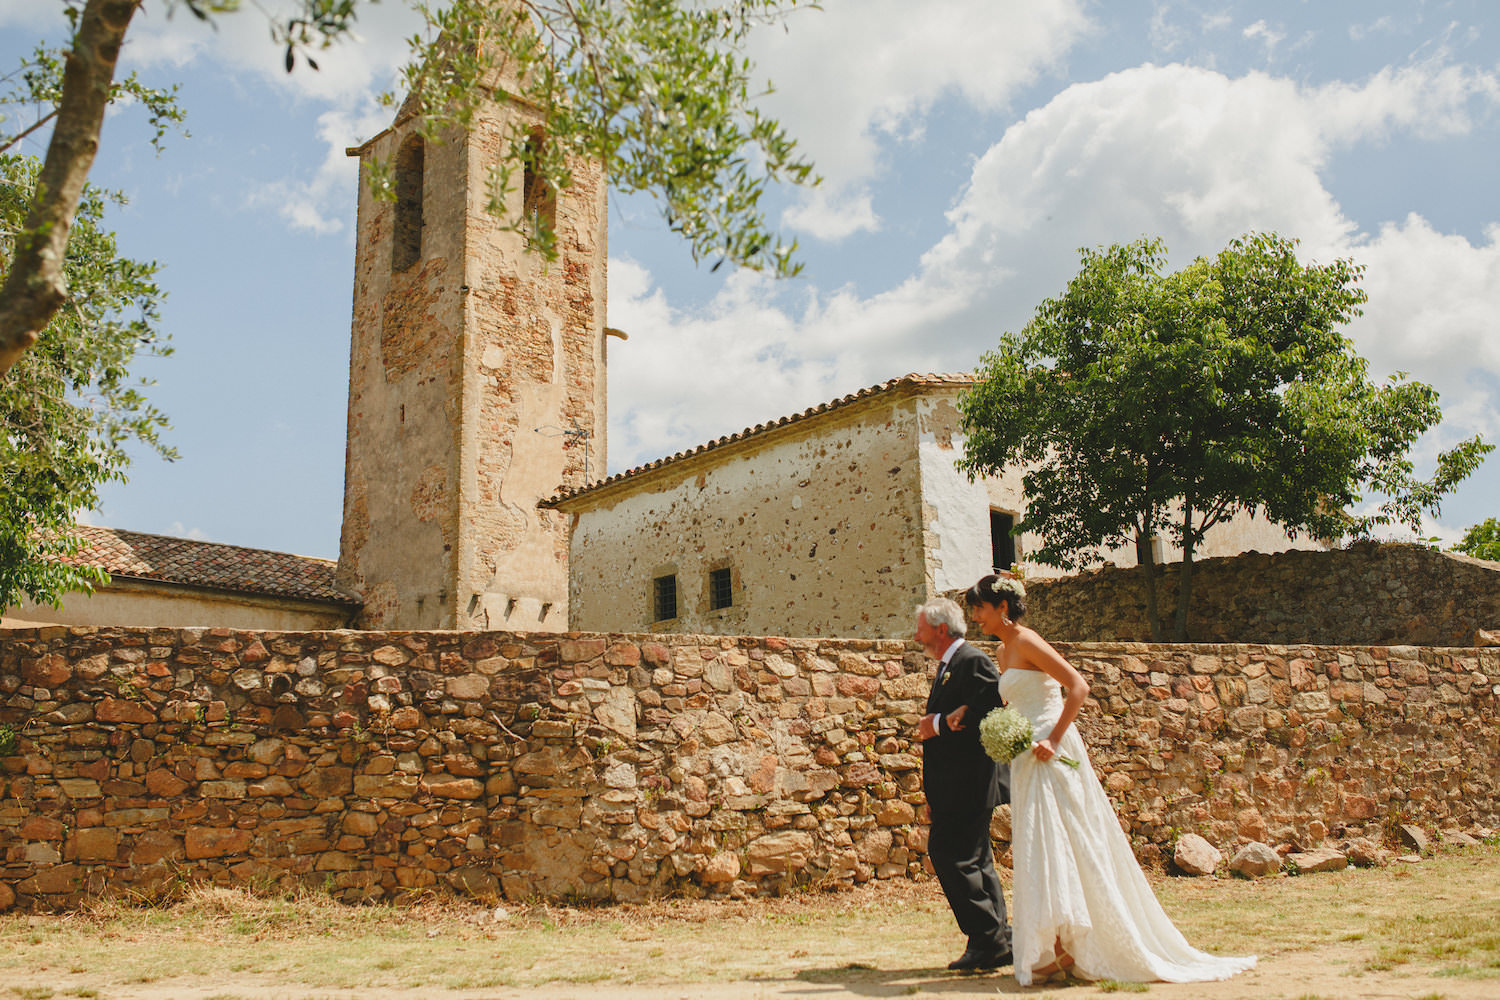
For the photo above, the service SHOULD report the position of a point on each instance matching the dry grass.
(1441, 917)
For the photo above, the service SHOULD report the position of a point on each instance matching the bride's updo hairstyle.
(996, 590)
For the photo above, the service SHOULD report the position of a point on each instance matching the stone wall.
(626, 766)
(1368, 594)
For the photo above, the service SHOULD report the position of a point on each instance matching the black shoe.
(975, 959)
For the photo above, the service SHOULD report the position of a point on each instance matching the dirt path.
(1431, 930)
(1327, 973)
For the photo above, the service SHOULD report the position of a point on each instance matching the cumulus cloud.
(1433, 302)
(833, 215)
(873, 84)
(1175, 152)
(1428, 100)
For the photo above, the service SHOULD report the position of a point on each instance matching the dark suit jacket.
(957, 775)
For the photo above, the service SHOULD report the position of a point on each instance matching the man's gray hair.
(941, 611)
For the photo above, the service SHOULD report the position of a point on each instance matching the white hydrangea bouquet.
(1006, 733)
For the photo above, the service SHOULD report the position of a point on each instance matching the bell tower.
(476, 383)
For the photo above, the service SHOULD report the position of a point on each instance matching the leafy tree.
(658, 90)
(69, 408)
(1482, 541)
(1143, 402)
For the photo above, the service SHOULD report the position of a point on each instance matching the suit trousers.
(958, 843)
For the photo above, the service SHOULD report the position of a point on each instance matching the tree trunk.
(35, 287)
(1185, 576)
(1145, 556)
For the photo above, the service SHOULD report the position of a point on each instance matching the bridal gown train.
(1075, 875)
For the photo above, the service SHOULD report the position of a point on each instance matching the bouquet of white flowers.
(1006, 733)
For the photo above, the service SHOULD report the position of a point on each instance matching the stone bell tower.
(476, 384)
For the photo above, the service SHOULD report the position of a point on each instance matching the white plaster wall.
(820, 527)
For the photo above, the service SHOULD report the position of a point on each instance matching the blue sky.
(969, 148)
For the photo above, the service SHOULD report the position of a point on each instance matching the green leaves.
(68, 407)
(1142, 401)
(38, 84)
(1482, 541)
(657, 91)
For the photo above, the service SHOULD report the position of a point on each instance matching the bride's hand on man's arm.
(927, 727)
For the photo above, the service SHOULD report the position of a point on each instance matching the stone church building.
(478, 421)
(833, 522)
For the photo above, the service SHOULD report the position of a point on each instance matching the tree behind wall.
(1142, 402)
(1482, 541)
(69, 408)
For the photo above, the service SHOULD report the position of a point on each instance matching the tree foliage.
(69, 407)
(659, 91)
(1482, 541)
(1144, 402)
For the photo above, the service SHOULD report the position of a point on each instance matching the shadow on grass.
(864, 980)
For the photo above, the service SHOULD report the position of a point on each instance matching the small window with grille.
(664, 597)
(720, 588)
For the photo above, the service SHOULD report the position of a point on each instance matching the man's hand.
(927, 728)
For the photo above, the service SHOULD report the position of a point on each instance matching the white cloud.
(180, 530)
(1428, 100)
(1433, 302)
(1380, 26)
(833, 215)
(1183, 154)
(33, 18)
(1269, 37)
(873, 81)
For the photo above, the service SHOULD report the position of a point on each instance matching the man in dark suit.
(963, 785)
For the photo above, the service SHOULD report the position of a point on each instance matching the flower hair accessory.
(1001, 586)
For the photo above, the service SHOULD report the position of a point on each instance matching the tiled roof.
(209, 564)
(913, 381)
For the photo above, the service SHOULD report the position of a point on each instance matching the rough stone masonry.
(620, 767)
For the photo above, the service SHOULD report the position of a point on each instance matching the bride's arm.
(1040, 654)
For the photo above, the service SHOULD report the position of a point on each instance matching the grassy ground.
(1422, 930)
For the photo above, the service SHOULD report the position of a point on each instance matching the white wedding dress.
(1075, 875)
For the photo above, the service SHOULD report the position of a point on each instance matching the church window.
(539, 199)
(720, 588)
(406, 249)
(1002, 542)
(664, 598)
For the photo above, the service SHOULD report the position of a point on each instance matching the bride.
(1080, 900)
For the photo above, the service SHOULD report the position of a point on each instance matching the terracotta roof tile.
(891, 385)
(209, 564)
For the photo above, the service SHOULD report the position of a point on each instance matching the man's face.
(934, 638)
